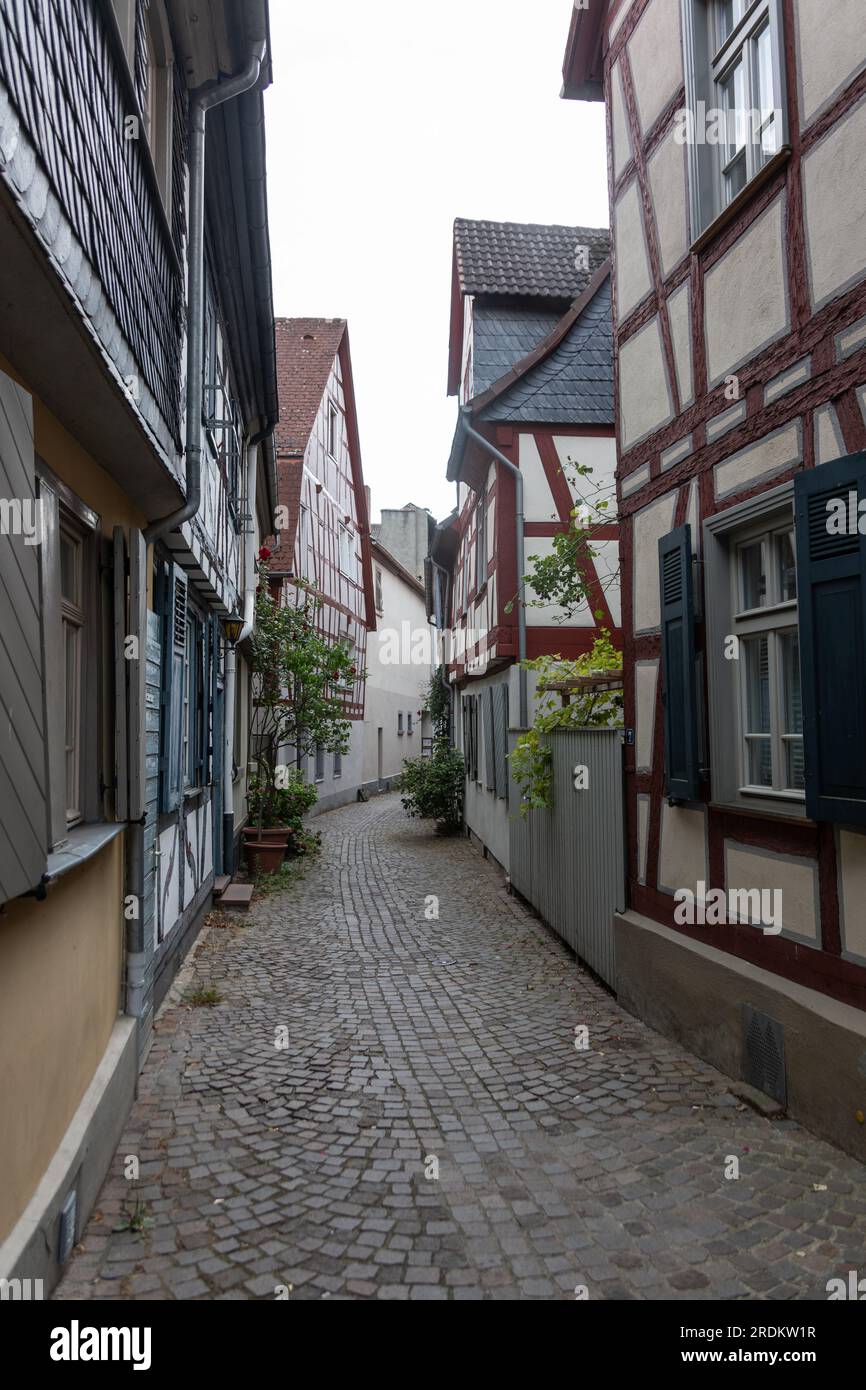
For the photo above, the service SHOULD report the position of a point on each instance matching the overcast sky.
(386, 120)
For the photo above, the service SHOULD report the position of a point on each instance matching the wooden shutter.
(137, 673)
(831, 590)
(500, 738)
(679, 686)
(121, 787)
(174, 619)
(489, 741)
(23, 771)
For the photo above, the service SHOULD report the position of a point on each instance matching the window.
(410, 727)
(380, 607)
(480, 544)
(73, 600)
(399, 721)
(320, 763)
(735, 93)
(765, 623)
(347, 556)
(221, 413)
(333, 429)
(756, 711)
(159, 94)
(73, 638)
(338, 764)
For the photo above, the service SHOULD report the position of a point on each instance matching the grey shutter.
(679, 686)
(500, 738)
(121, 789)
(831, 591)
(23, 773)
(53, 662)
(489, 743)
(137, 673)
(174, 604)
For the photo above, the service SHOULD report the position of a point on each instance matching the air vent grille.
(764, 1054)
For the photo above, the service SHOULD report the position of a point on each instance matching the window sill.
(724, 218)
(764, 808)
(81, 844)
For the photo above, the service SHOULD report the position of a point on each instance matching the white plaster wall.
(644, 393)
(633, 280)
(683, 848)
(335, 791)
(769, 455)
(829, 444)
(538, 503)
(746, 296)
(646, 679)
(834, 206)
(830, 51)
(680, 315)
(852, 886)
(552, 613)
(622, 150)
(396, 686)
(597, 452)
(655, 51)
(606, 561)
(667, 177)
(643, 810)
(649, 525)
(795, 878)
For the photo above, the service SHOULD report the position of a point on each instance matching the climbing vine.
(532, 759)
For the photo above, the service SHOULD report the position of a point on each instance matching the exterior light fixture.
(233, 627)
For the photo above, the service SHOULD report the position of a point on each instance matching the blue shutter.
(679, 686)
(831, 585)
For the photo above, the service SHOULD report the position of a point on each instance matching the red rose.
(264, 553)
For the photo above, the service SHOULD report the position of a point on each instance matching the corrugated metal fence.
(569, 862)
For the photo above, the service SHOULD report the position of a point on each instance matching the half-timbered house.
(324, 535)
(137, 399)
(531, 363)
(735, 139)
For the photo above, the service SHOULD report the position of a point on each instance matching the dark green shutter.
(489, 744)
(831, 584)
(679, 687)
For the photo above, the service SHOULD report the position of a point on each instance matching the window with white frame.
(410, 726)
(756, 715)
(765, 624)
(338, 764)
(320, 763)
(399, 721)
(735, 95)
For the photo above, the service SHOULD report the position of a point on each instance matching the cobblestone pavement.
(311, 1167)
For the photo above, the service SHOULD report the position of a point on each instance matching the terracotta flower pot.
(264, 856)
(276, 835)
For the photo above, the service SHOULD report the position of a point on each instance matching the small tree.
(300, 681)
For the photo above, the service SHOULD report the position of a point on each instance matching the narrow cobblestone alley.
(414, 1040)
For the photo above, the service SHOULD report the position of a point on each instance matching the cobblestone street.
(415, 1044)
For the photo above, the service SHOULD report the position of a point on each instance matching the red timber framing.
(834, 379)
(325, 490)
(566, 640)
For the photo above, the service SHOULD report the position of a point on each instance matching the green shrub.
(432, 788)
(281, 805)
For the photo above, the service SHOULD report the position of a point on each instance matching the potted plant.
(300, 683)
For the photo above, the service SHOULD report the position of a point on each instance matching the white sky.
(386, 120)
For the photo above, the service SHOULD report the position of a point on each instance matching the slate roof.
(306, 349)
(573, 384)
(519, 259)
(504, 333)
